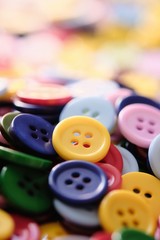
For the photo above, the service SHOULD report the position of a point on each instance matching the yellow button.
(51, 230)
(146, 186)
(122, 208)
(6, 225)
(81, 138)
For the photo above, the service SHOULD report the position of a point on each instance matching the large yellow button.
(51, 230)
(122, 208)
(81, 138)
(146, 186)
(6, 225)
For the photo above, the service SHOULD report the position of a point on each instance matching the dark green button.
(13, 156)
(131, 234)
(26, 189)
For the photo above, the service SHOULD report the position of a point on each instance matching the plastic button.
(33, 134)
(100, 235)
(81, 138)
(95, 107)
(139, 124)
(78, 182)
(7, 225)
(144, 185)
(52, 230)
(122, 208)
(131, 234)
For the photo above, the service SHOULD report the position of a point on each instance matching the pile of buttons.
(78, 163)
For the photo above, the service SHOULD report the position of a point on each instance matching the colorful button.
(113, 176)
(81, 138)
(139, 124)
(146, 186)
(45, 94)
(87, 217)
(78, 182)
(153, 155)
(131, 234)
(95, 107)
(12, 156)
(7, 225)
(101, 235)
(52, 230)
(129, 162)
(72, 237)
(30, 192)
(122, 208)
(33, 134)
(114, 158)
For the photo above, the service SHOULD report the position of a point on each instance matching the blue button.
(33, 134)
(78, 182)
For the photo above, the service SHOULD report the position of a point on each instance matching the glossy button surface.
(122, 208)
(52, 230)
(131, 234)
(144, 185)
(7, 225)
(139, 124)
(154, 156)
(30, 191)
(81, 138)
(95, 107)
(78, 182)
(33, 133)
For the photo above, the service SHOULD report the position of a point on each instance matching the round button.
(95, 107)
(113, 176)
(12, 156)
(30, 192)
(101, 236)
(122, 208)
(52, 230)
(7, 225)
(72, 237)
(78, 182)
(132, 234)
(87, 217)
(139, 124)
(32, 133)
(153, 155)
(129, 162)
(25, 228)
(144, 185)
(81, 138)
(114, 158)
(45, 94)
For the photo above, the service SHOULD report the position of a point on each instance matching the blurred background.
(71, 40)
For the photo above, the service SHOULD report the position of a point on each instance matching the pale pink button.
(139, 123)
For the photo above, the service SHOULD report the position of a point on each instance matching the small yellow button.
(146, 186)
(52, 230)
(6, 225)
(81, 138)
(122, 208)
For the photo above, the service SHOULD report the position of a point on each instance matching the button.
(81, 138)
(12, 156)
(153, 155)
(126, 234)
(33, 134)
(95, 107)
(7, 225)
(78, 182)
(87, 216)
(137, 99)
(45, 94)
(139, 124)
(114, 158)
(122, 208)
(113, 176)
(52, 230)
(101, 235)
(25, 228)
(30, 192)
(72, 237)
(129, 162)
(144, 185)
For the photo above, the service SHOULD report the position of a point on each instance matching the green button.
(26, 189)
(130, 234)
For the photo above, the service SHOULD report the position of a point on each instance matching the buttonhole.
(79, 187)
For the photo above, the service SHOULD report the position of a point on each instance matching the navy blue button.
(78, 182)
(33, 134)
(137, 99)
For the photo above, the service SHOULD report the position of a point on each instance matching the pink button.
(139, 124)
